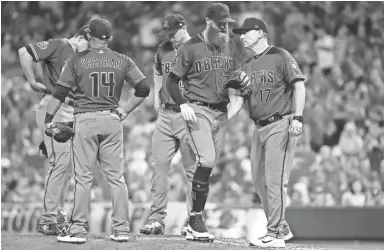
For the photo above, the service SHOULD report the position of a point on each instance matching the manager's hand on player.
(38, 87)
(296, 128)
(188, 113)
(121, 113)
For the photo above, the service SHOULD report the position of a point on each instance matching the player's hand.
(49, 125)
(157, 104)
(38, 87)
(121, 113)
(188, 113)
(296, 128)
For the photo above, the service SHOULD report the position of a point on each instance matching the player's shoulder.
(278, 51)
(165, 47)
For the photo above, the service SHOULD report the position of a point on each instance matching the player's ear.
(207, 20)
(110, 38)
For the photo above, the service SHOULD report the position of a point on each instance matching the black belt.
(262, 123)
(215, 106)
(172, 107)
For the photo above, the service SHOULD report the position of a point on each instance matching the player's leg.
(164, 147)
(57, 178)
(189, 163)
(84, 149)
(111, 157)
(199, 136)
(258, 169)
(280, 147)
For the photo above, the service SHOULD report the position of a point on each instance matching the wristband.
(48, 118)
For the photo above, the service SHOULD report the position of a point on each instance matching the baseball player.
(97, 75)
(202, 62)
(53, 53)
(169, 133)
(275, 100)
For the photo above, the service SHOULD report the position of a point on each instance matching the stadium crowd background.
(338, 45)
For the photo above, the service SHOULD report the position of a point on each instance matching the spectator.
(355, 196)
(350, 142)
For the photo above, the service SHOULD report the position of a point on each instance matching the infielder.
(53, 53)
(202, 62)
(275, 100)
(98, 75)
(169, 134)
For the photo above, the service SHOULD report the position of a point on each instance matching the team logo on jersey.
(65, 65)
(165, 25)
(294, 67)
(42, 45)
(100, 51)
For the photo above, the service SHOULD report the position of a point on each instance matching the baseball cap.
(171, 24)
(251, 24)
(219, 12)
(100, 28)
(83, 31)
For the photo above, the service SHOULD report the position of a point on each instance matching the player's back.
(100, 77)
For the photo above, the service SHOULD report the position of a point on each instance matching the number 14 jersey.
(97, 76)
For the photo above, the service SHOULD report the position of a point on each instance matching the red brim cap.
(168, 32)
(239, 31)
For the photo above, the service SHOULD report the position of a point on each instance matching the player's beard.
(217, 37)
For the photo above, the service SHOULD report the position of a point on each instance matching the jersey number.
(105, 79)
(264, 95)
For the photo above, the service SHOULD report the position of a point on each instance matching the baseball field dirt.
(96, 242)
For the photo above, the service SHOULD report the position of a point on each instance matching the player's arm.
(29, 55)
(158, 79)
(63, 86)
(136, 78)
(235, 105)
(293, 76)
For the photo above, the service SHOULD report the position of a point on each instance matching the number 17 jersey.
(97, 76)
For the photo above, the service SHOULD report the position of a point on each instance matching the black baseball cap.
(83, 31)
(219, 12)
(100, 28)
(251, 24)
(171, 24)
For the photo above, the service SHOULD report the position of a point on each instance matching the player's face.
(218, 33)
(82, 44)
(177, 38)
(250, 38)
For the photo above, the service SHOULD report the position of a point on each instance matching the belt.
(113, 111)
(215, 106)
(276, 117)
(172, 107)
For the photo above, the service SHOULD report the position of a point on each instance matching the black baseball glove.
(61, 132)
(236, 80)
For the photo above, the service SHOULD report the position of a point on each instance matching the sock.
(200, 187)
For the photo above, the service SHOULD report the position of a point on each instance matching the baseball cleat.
(196, 229)
(67, 237)
(48, 229)
(288, 236)
(152, 227)
(184, 229)
(268, 242)
(119, 237)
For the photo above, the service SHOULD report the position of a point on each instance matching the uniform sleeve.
(42, 50)
(183, 61)
(290, 70)
(133, 74)
(158, 66)
(68, 75)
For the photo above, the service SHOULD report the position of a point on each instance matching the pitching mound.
(95, 242)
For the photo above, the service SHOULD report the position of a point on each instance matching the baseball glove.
(61, 132)
(236, 80)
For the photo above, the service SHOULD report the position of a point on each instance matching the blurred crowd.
(338, 45)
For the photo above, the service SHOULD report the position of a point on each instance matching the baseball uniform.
(202, 66)
(168, 137)
(270, 104)
(53, 53)
(98, 75)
